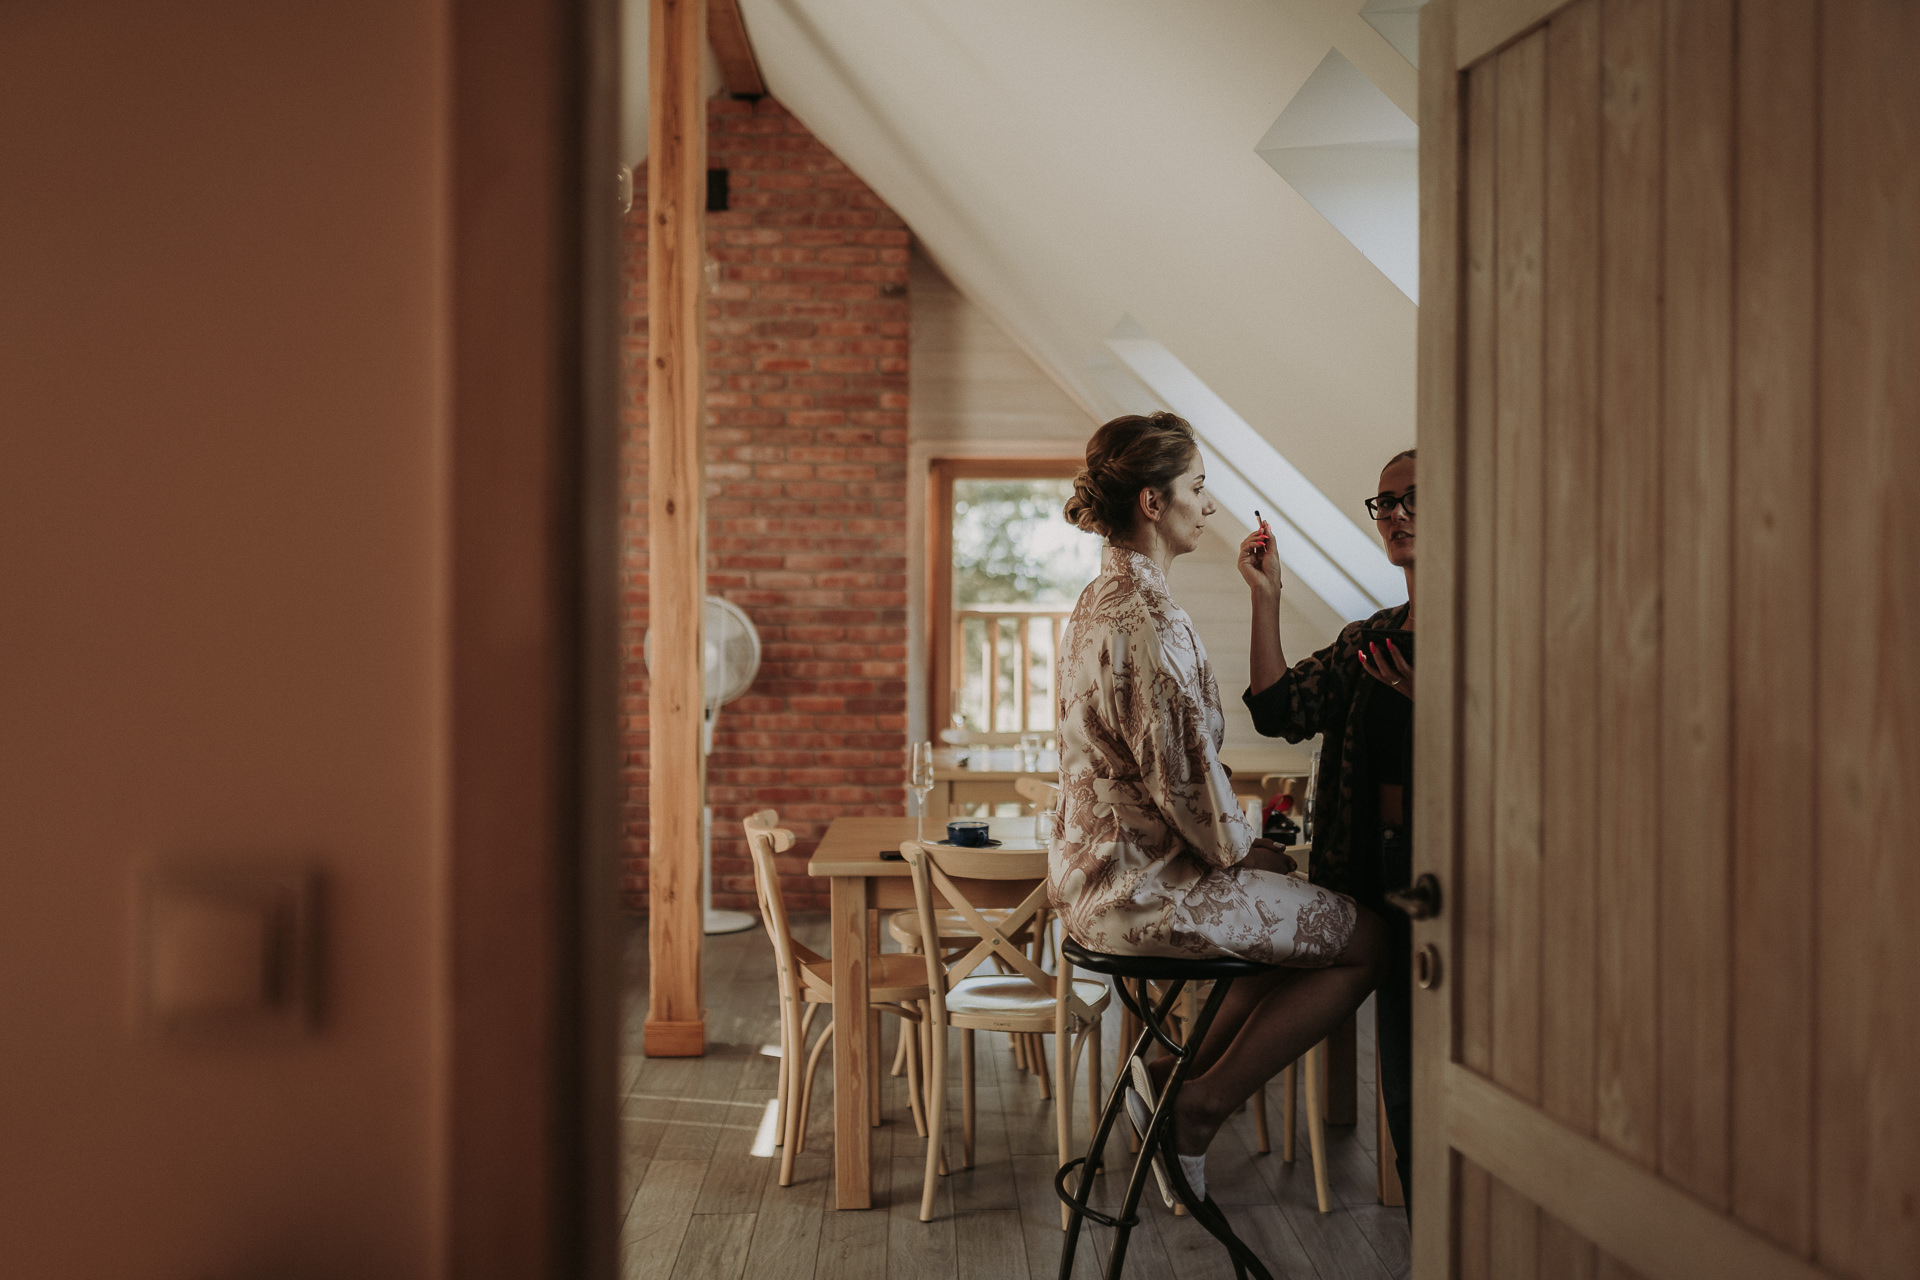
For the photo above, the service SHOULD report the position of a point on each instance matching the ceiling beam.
(727, 33)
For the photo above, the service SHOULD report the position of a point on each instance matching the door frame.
(1434, 1248)
(529, 1098)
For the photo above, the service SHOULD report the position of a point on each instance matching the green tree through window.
(1013, 550)
(1012, 545)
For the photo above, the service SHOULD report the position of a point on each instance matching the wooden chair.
(1041, 797)
(1026, 1000)
(955, 940)
(898, 984)
(956, 937)
(1038, 792)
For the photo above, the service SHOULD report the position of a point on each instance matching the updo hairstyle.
(1130, 453)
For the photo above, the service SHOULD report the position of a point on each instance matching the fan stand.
(717, 921)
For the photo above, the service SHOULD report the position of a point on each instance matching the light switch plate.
(227, 948)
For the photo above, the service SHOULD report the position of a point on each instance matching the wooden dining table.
(862, 883)
(975, 775)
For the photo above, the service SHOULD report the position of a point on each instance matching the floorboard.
(702, 1193)
(715, 1247)
(788, 1227)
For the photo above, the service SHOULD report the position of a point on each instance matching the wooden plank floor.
(700, 1204)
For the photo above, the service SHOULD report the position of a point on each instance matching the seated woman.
(1152, 854)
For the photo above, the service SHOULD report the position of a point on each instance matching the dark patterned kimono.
(1148, 835)
(1330, 694)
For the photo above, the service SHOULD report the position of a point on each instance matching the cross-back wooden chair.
(1024, 1000)
(956, 937)
(898, 984)
(1037, 792)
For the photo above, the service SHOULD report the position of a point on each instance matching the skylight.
(1355, 157)
(1398, 22)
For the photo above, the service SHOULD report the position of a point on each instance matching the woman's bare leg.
(1267, 1022)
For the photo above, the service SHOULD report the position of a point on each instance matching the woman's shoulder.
(1107, 611)
(1110, 601)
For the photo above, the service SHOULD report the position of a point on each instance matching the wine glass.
(920, 780)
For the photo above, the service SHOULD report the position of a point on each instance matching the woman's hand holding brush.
(1257, 563)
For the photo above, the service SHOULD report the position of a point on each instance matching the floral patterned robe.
(1148, 835)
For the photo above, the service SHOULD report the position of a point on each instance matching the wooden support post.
(676, 565)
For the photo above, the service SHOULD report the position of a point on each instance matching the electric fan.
(732, 660)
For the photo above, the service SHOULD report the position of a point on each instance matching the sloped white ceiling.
(1071, 163)
(1354, 155)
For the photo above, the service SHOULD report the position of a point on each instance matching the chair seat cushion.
(891, 979)
(1161, 968)
(1010, 995)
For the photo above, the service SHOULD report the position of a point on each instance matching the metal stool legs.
(1153, 1018)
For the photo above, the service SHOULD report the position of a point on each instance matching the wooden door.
(1669, 719)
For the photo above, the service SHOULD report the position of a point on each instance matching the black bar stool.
(1130, 975)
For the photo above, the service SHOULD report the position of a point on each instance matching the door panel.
(1570, 824)
(1628, 721)
(1519, 145)
(1867, 824)
(1696, 743)
(1670, 423)
(1774, 547)
(1521, 1241)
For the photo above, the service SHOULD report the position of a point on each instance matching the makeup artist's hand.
(1257, 562)
(1385, 663)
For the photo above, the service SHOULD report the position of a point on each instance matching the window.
(1006, 570)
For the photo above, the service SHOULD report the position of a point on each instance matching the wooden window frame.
(941, 473)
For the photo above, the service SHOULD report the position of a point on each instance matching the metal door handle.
(1421, 899)
(1426, 967)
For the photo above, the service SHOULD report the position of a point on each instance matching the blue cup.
(970, 833)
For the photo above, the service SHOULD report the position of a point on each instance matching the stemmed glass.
(920, 780)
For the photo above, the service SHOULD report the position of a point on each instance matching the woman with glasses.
(1151, 854)
(1357, 693)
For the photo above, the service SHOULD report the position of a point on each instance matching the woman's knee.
(1370, 948)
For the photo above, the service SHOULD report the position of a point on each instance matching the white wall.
(975, 392)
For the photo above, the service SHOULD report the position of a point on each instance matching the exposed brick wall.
(806, 495)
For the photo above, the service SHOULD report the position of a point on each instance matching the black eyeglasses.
(1380, 506)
